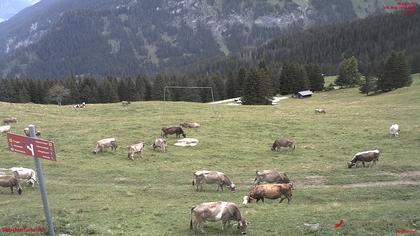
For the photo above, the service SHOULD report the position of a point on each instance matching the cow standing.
(105, 143)
(9, 120)
(215, 211)
(279, 143)
(320, 111)
(173, 130)
(134, 149)
(270, 191)
(212, 177)
(160, 143)
(25, 173)
(11, 181)
(394, 130)
(363, 157)
(270, 176)
(5, 129)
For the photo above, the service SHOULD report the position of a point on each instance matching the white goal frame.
(186, 87)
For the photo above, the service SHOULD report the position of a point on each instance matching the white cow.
(394, 130)
(135, 148)
(4, 128)
(26, 173)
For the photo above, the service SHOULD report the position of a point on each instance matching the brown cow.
(363, 157)
(212, 177)
(173, 130)
(11, 181)
(270, 176)
(283, 143)
(270, 191)
(215, 211)
(9, 120)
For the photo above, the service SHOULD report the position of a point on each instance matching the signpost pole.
(42, 187)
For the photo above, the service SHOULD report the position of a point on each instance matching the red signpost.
(38, 148)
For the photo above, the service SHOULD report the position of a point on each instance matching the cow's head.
(184, 135)
(350, 164)
(247, 199)
(232, 187)
(291, 186)
(95, 151)
(242, 226)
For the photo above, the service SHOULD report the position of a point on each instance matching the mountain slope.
(56, 38)
(9, 8)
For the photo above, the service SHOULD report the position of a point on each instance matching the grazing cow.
(11, 181)
(190, 125)
(215, 211)
(270, 191)
(9, 120)
(26, 131)
(135, 148)
(270, 176)
(283, 143)
(4, 128)
(160, 143)
(173, 130)
(212, 177)
(394, 130)
(363, 157)
(25, 173)
(125, 103)
(105, 143)
(83, 105)
(320, 110)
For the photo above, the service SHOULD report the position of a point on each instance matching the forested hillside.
(370, 40)
(56, 38)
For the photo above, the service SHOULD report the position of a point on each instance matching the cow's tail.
(191, 222)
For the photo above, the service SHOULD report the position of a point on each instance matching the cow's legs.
(282, 199)
(11, 188)
(363, 164)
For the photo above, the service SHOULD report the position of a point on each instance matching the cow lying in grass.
(160, 143)
(215, 211)
(279, 143)
(134, 149)
(212, 177)
(105, 143)
(190, 125)
(363, 157)
(25, 173)
(173, 130)
(270, 191)
(270, 176)
(320, 110)
(11, 181)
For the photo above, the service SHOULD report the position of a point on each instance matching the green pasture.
(107, 194)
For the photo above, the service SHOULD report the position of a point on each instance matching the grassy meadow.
(107, 194)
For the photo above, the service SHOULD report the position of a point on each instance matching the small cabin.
(303, 94)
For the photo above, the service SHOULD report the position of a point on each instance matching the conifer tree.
(315, 77)
(396, 73)
(348, 75)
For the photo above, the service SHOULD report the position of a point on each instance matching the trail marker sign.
(38, 148)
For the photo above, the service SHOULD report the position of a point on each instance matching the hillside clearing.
(107, 194)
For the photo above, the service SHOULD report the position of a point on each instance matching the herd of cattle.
(270, 184)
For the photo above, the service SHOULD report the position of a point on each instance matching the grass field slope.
(107, 194)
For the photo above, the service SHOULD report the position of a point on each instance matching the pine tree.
(157, 90)
(240, 82)
(132, 93)
(230, 86)
(315, 77)
(396, 73)
(74, 90)
(58, 93)
(370, 84)
(348, 75)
